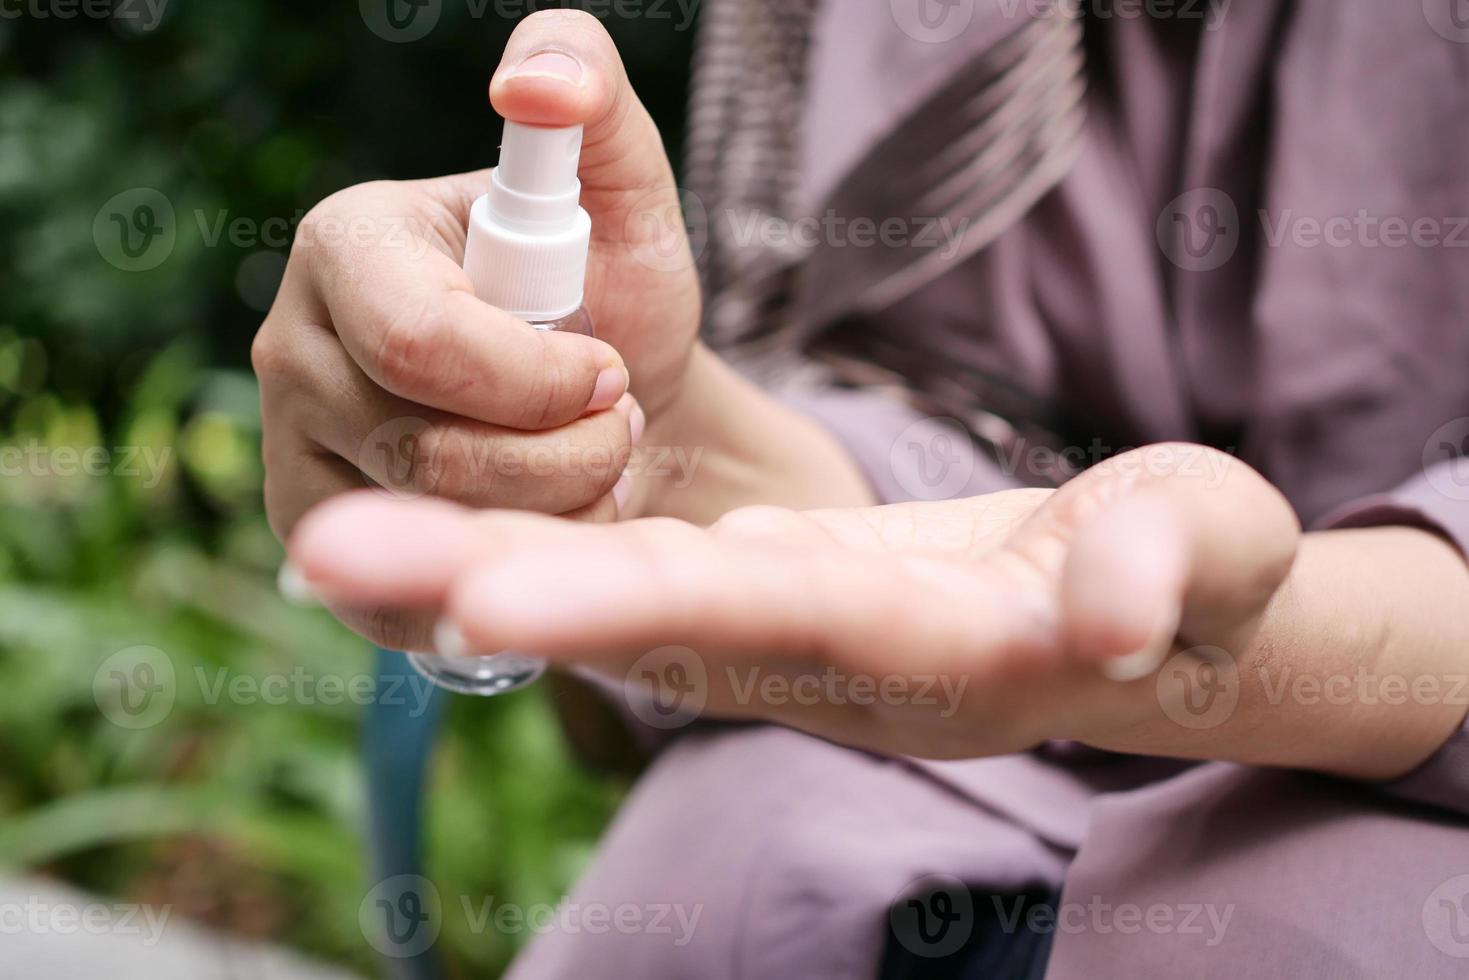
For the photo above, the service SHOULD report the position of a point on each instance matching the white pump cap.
(529, 236)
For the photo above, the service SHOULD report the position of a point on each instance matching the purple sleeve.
(1436, 500)
(904, 454)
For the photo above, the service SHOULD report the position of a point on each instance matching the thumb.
(561, 68)
(1170, 541)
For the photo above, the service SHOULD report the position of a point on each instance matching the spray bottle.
(526, 254)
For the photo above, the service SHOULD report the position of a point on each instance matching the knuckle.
(267, 355)
(407, 349)
(322, 231)
(444, 464)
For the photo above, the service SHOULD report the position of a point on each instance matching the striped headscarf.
(980, 151)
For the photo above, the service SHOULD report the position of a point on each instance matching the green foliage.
(130, 479)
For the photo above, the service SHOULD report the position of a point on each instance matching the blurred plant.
(149, 184)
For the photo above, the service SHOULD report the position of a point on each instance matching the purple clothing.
(1338, 367)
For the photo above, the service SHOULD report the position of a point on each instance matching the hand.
(1039, 610)
(377, 363)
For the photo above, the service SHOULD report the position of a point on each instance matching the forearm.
(724, 443)
(1360, 666)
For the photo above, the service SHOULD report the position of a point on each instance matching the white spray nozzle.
(529, 237)
(539, 160)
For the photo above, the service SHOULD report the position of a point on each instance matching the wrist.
(723, 443)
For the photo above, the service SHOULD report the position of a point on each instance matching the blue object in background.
(397, 742)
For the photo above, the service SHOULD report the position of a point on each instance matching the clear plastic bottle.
(526, 253)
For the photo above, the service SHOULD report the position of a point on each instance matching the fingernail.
(1133, 666)
(1143, 663)
(449, 640)
(621, 491)
(294, 587)
(636, 423)
(557, 65)
(611, 384)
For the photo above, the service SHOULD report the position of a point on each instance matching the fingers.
(580, 592)
(407, 315)
(384, 567)
(413, 451)
(640, 585)
(297, 478)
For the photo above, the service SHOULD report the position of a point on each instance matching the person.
(1201, 702)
